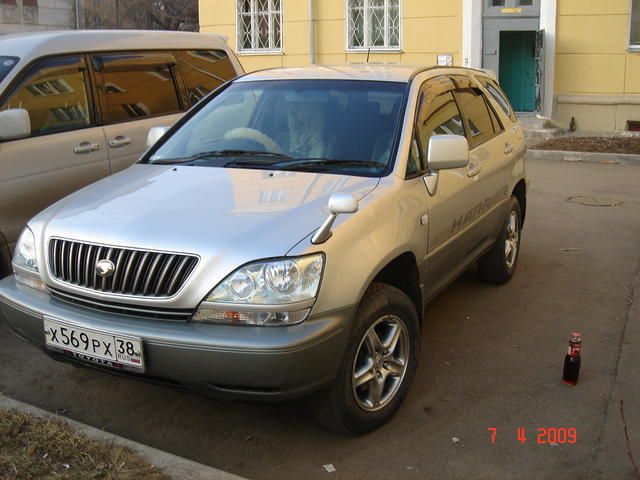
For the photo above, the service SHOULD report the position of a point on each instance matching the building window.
(634, 36)
(259, 25)
(373, 24)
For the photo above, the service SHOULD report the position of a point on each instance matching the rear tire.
(498, 265)
(379, 364)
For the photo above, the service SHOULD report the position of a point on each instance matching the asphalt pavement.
(491, 358)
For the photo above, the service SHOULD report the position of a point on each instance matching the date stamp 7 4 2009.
(543, 435)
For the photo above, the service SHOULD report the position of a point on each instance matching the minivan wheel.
(379, 364)
(499, 264)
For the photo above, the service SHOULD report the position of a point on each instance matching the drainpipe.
(312, 34)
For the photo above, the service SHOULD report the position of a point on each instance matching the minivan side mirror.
(447, 151)
(155, 134)
(14, 123)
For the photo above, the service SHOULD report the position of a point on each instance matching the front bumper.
(220, 360)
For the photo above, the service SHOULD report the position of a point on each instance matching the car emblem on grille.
(105, 268)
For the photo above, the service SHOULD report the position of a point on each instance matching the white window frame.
(368, 46)
(254, 42)
(633, 47)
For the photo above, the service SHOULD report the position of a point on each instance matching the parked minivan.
(76, 106)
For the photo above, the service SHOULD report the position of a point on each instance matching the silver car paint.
(214, 213)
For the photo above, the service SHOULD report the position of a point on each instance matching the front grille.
(139, 311)
(137, 272)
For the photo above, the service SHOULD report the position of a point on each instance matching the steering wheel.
(244, 133)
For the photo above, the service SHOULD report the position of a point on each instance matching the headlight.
(26, 260)
(276, 292)
(25, 253)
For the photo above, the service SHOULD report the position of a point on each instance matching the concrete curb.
(621, 158)
(172, 465)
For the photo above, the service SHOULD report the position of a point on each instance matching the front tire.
(499, 264)
(379, 364)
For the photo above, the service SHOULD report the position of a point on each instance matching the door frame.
(472, 43)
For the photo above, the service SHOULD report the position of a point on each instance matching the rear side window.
(54, 92)
(137, 85)
(6, 65)
(482, 122)
(499, 96)
(203, 71)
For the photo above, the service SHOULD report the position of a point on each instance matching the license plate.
(103, 348)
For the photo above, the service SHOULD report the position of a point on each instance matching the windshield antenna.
(368, 53)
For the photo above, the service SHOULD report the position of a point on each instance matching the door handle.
(119, 141)
(508, 149)
(86, 147)
(474, 169)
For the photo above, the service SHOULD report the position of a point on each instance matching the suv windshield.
(6, 64)
(312, 125)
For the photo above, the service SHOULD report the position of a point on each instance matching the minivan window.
(315, 125)
(137, 85)
(204, 70)
(6, 65)
(54, 92)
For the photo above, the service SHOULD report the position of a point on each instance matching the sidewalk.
(172, 465)
(610, 456)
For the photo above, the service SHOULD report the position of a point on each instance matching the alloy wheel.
(512, 239)
(381, 363)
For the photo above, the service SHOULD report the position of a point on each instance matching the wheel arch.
(520, 192)
(402, 272)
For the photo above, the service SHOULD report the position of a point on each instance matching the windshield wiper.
(329, 162)
(224, 153)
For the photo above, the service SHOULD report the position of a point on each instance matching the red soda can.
(571, 370)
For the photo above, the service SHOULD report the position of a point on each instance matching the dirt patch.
(40, 448)
(593, 144)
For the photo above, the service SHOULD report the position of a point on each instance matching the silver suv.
(283, 238)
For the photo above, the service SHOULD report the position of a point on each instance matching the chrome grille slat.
(164, 274)
(137, 273)
(116, 285)
(87, 266)
(53, 255)
(151, 275)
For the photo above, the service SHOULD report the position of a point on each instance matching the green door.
(518, 69)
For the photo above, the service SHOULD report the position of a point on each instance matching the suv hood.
(226, 216)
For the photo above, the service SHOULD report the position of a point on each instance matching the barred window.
(259, 25)
(373, 24)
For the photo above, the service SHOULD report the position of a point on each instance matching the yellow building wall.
(429, 28)
(597, 80)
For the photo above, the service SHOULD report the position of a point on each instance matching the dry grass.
(32, 447)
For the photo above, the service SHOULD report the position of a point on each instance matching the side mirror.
(155, 134)
(338, 203)
(14, 123)
(342, 203)
(447, 151)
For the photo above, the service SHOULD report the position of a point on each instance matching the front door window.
(54, 92)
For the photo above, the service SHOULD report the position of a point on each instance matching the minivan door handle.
(474, 169)
(86, 147)
(119, 141)
(508, 148)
